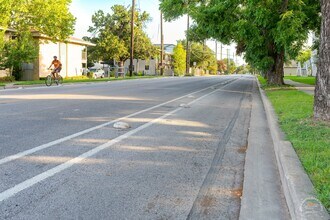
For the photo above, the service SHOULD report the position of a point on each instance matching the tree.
(23, 17)
(21, 49)
(322, 89)
(302, 58)
(203, 56)
(231, 66)
(179, 59)
(266, 32)
(222, 66)
(113, 33)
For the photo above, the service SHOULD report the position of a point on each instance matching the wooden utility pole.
(187, 48)
(131, 67)
(227, 61)
(216, 50)
(161, 45)
(220, 51)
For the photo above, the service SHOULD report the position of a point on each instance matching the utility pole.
(131, 67)
(187, 48)
(227, 61)
(220, 51)
(216, 50)
(161, 45)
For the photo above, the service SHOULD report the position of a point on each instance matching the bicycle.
(50, 79)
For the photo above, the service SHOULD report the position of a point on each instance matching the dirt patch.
(236, 193)
(242, 150)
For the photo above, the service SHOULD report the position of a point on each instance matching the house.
(168, 53)
(151, 66)
(72, 53)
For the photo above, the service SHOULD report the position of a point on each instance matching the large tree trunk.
(322, 89)
(275, 73)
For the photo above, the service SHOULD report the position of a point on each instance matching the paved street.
(182, 157)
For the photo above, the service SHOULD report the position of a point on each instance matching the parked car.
(97, 72)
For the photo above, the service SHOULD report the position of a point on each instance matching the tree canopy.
(203, 56)
(23, 17)
(179, 59)
(266, 32)
(44, 16)
(112, 34)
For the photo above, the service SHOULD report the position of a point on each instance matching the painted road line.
(52, 143)
(49, 173)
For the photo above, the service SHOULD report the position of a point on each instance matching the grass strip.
(310, 80)
(77, 80)
(309, 138)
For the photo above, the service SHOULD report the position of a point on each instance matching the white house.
(72, 53)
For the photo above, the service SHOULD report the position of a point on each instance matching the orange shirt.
(57, 63)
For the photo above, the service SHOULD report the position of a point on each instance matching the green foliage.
(203, 56)
(7, 79)
(265, 31)
(230, 66)
(17, 51)
(179, 60)
(45, 16)
(22, 17)
(309, 138)
(243, 69)
(304, 55)
(113, 35)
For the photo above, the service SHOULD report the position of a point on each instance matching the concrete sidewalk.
(263, 197)
(275, 183)
(309, 89)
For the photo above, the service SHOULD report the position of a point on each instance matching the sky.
(84, 9)
(173, 31)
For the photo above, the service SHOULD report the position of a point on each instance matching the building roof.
(72, 40)
(37, 34)
(167, 47)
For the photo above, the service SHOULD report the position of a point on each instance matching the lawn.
(302, 79)
(309, 138)
(76, 80)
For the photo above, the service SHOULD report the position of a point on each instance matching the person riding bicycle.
(58, 67)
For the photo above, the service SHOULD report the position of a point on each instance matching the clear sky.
(84, 9)
(173, 31)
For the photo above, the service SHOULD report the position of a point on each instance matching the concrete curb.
(298, 190)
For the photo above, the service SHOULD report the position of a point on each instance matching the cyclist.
(58, 67)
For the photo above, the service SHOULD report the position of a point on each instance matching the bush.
(76, 77)
(90, 75)
(7, 79)
(138, 73)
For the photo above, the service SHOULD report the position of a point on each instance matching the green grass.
(310, 80)
(309, 138)
(76, 80)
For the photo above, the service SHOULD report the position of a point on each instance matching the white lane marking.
(49, 173)
(52, 143)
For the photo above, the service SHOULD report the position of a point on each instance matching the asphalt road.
(182, 157)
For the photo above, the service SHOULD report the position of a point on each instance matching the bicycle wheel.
(59, 80)
(49, 80)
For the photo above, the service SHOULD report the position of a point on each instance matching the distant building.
(72, 53)
(168, 54)
(290, 68)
